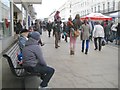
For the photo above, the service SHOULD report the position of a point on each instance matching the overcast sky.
(47, 7)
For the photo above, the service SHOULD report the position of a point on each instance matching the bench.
(17, 70)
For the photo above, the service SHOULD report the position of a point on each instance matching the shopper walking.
(85, 36)
(98, 34)
(49, 28)
(118, 34)
(65, 31)
(74, 26)
(71, 35)
(19, 27)
(57, 27)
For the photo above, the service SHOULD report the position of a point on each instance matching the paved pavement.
(95, 70)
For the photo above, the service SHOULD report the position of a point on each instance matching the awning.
(96, 16)
(116, 14)
(16, 9)
(28, 1)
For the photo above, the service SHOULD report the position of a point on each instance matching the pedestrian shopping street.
(97, 69)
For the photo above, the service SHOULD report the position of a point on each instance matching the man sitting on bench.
(22, 40)
(33, 60)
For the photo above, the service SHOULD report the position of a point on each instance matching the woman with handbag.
(71, 35)
(74, 33)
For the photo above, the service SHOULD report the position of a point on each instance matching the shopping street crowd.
(100, 32)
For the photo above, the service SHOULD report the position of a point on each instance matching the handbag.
(76, 33)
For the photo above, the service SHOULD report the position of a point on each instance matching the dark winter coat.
(32, 54)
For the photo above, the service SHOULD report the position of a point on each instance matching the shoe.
(56, 47)
(73, 52)
(111, 41)
(42, 44)
(82, 50)
(95, 49)
(86, 51)
(43, 88)
(99, 49)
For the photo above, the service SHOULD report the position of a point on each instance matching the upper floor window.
(98, 8)
(6, 2)
(103, 7)
(95, 9)
(113, 5)
(92, 9)
(108, 5)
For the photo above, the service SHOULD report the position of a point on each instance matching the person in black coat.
(19, 27)
(49, 28)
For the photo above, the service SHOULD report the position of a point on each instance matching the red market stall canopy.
(96, 16)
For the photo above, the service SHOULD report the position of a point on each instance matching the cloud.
(48, 6)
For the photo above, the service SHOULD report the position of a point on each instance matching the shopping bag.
(103, 42)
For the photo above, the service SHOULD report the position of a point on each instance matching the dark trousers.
(99, 41)
(56, 39)
(66, 38)
(49, 33)
(45, 71)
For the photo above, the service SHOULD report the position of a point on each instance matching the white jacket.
(98, 31)
(113, 28)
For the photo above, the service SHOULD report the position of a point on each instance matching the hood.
(31, 41)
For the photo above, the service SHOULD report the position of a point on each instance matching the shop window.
(5, 18)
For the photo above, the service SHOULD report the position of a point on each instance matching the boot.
(86, 51)
(70, 52)
(73, 52)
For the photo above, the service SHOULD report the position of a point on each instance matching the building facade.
(84, 7)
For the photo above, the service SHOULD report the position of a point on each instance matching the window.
(87, 11)
(98, 8)
(95, 9)
(113, 5)
(92, 9)
(6, 2)
(70, 5)
(103, 7)
(108, 6)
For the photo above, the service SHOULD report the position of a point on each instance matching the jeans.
(45, 71)
(87, 44)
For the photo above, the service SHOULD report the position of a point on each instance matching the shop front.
(10, 13)
(5, 23)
